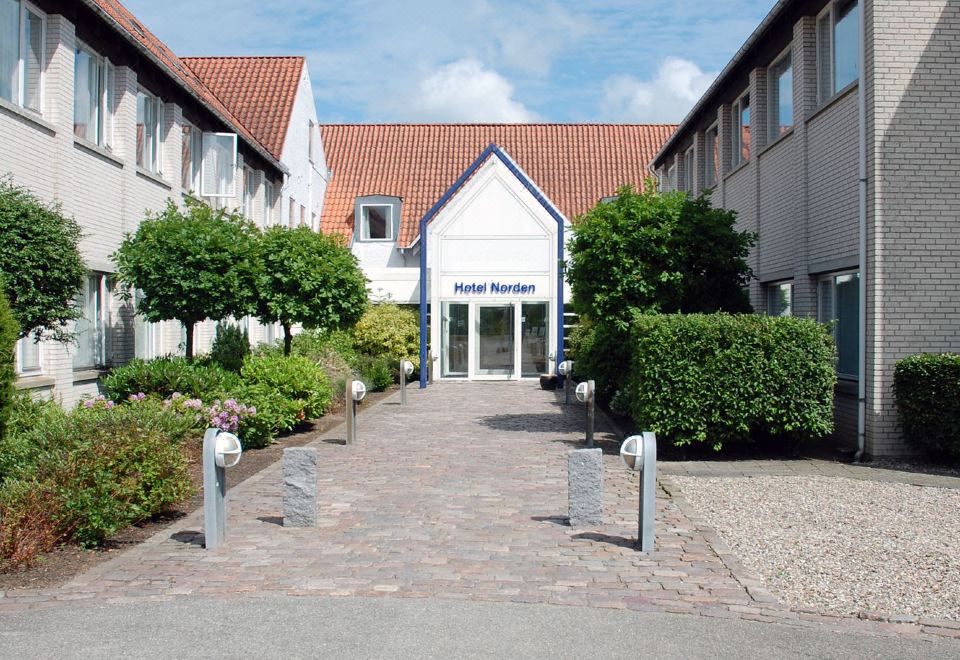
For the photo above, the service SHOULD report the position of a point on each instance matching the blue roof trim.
(492, 149)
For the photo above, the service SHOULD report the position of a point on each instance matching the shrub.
(164, 376)
(377, 373)
(230, 345)
(719, 378)
(295, 378)
(602, 352)
(316, 346)
(31, 521)
(9, 331)
(275, 414)
(390, 331)
(927, 391)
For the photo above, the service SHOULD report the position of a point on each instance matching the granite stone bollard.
(299, 487)
(585, 486)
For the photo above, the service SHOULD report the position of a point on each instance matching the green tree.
(191, 264)
(9, 331)
(308, 278)
(40, 263)
(657, 253)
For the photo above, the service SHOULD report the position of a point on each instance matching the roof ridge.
(554, 123)
(242, 57)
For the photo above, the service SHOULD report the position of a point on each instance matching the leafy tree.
(308, 278)
(657, 253)
(9, 330)
(190, 265)
(40, 263)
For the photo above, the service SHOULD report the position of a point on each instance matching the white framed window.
(191, 157)
(292, 214)
(780, 299)
(22, 38)
(28, 356)
(219, 165)
(780, 96)
(671, 182)
(147, 337)
(711, 157)
(740, 138)
(376, 222)
(149, 121)
(838, 303)
(267, 203)
(91, 327)
(303, 215)
(93, 96)
(249, 192)
(688, 170)
(838, 47)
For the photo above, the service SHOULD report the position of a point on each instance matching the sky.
(477, 60)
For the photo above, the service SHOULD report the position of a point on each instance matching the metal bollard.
(406, 368)
(566, 370)
(220, 451)
(640, 453)
(356, 390)
(585, 392)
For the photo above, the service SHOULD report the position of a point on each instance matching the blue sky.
(477, 60)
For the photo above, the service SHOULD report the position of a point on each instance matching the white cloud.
(677, 85)
(466, 91)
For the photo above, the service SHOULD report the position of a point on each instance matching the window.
(688, 170)
(90, 328)
(671, 182)
(149, 111)
(376, 223)
(267, 203)
(711, 161)
(28, 356)
(741, 130)
(147, 337)
(292, 216)
(249, 192)
(780, 96)
(218, 170)
(93, 97)
(838, 48)
(839, 303)
(21, 53)
(303, 215)
(780, 299)
(191, 157)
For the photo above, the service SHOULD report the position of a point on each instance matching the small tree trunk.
(287, 339)
(188, 349)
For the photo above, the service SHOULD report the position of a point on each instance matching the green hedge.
(927, 390)
(719, 378)
(9, 331)
(167, 375)
(296, 378)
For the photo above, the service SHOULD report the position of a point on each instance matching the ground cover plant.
(927, 389)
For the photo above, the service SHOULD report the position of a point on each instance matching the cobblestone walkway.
(461, 494)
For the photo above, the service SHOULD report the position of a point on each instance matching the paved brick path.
(461, 494)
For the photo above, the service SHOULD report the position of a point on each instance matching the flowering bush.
(226, 416)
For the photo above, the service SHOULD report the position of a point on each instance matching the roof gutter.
(862, 244)
(741, 54)
(257, 147)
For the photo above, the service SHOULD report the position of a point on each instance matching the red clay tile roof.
(129, 26)
(575, 165)
(260, 91)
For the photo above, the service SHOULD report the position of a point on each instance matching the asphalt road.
(311, 627)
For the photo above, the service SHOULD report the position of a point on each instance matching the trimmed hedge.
(167, 375)
(927, 391)
(720, 378)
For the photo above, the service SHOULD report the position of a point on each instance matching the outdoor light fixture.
(359, 390)
(221, 450)
(585, 391)
(639, 453)
(406, 369)
(631, 452)
(565, 368)
(227, 450)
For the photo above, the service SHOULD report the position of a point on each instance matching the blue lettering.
(532, 289)
(458, 287)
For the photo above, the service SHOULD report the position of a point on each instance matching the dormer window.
(376, 222)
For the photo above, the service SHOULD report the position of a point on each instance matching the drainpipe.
(862, 192)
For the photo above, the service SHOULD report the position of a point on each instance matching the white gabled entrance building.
(491, 266)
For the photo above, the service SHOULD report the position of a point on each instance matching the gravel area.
(840, 545)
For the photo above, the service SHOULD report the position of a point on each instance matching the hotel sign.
(494, 288)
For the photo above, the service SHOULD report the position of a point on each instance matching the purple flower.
(110, 405)
(89, 403)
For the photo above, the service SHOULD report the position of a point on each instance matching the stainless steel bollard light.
(565, 369)
(356, 390)
(639, 453)
(585, 392)
(221, 450)
(406, 370)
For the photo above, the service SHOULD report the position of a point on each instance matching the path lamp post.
(221, 450)
(639, 453)
(406, 370)
(585, 394)
(356, 390)
(566, 370)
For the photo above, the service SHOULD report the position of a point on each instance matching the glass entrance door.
(533, 338)
(455, 337)
(495, 340)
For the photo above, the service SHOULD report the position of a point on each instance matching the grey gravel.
(841, 545)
